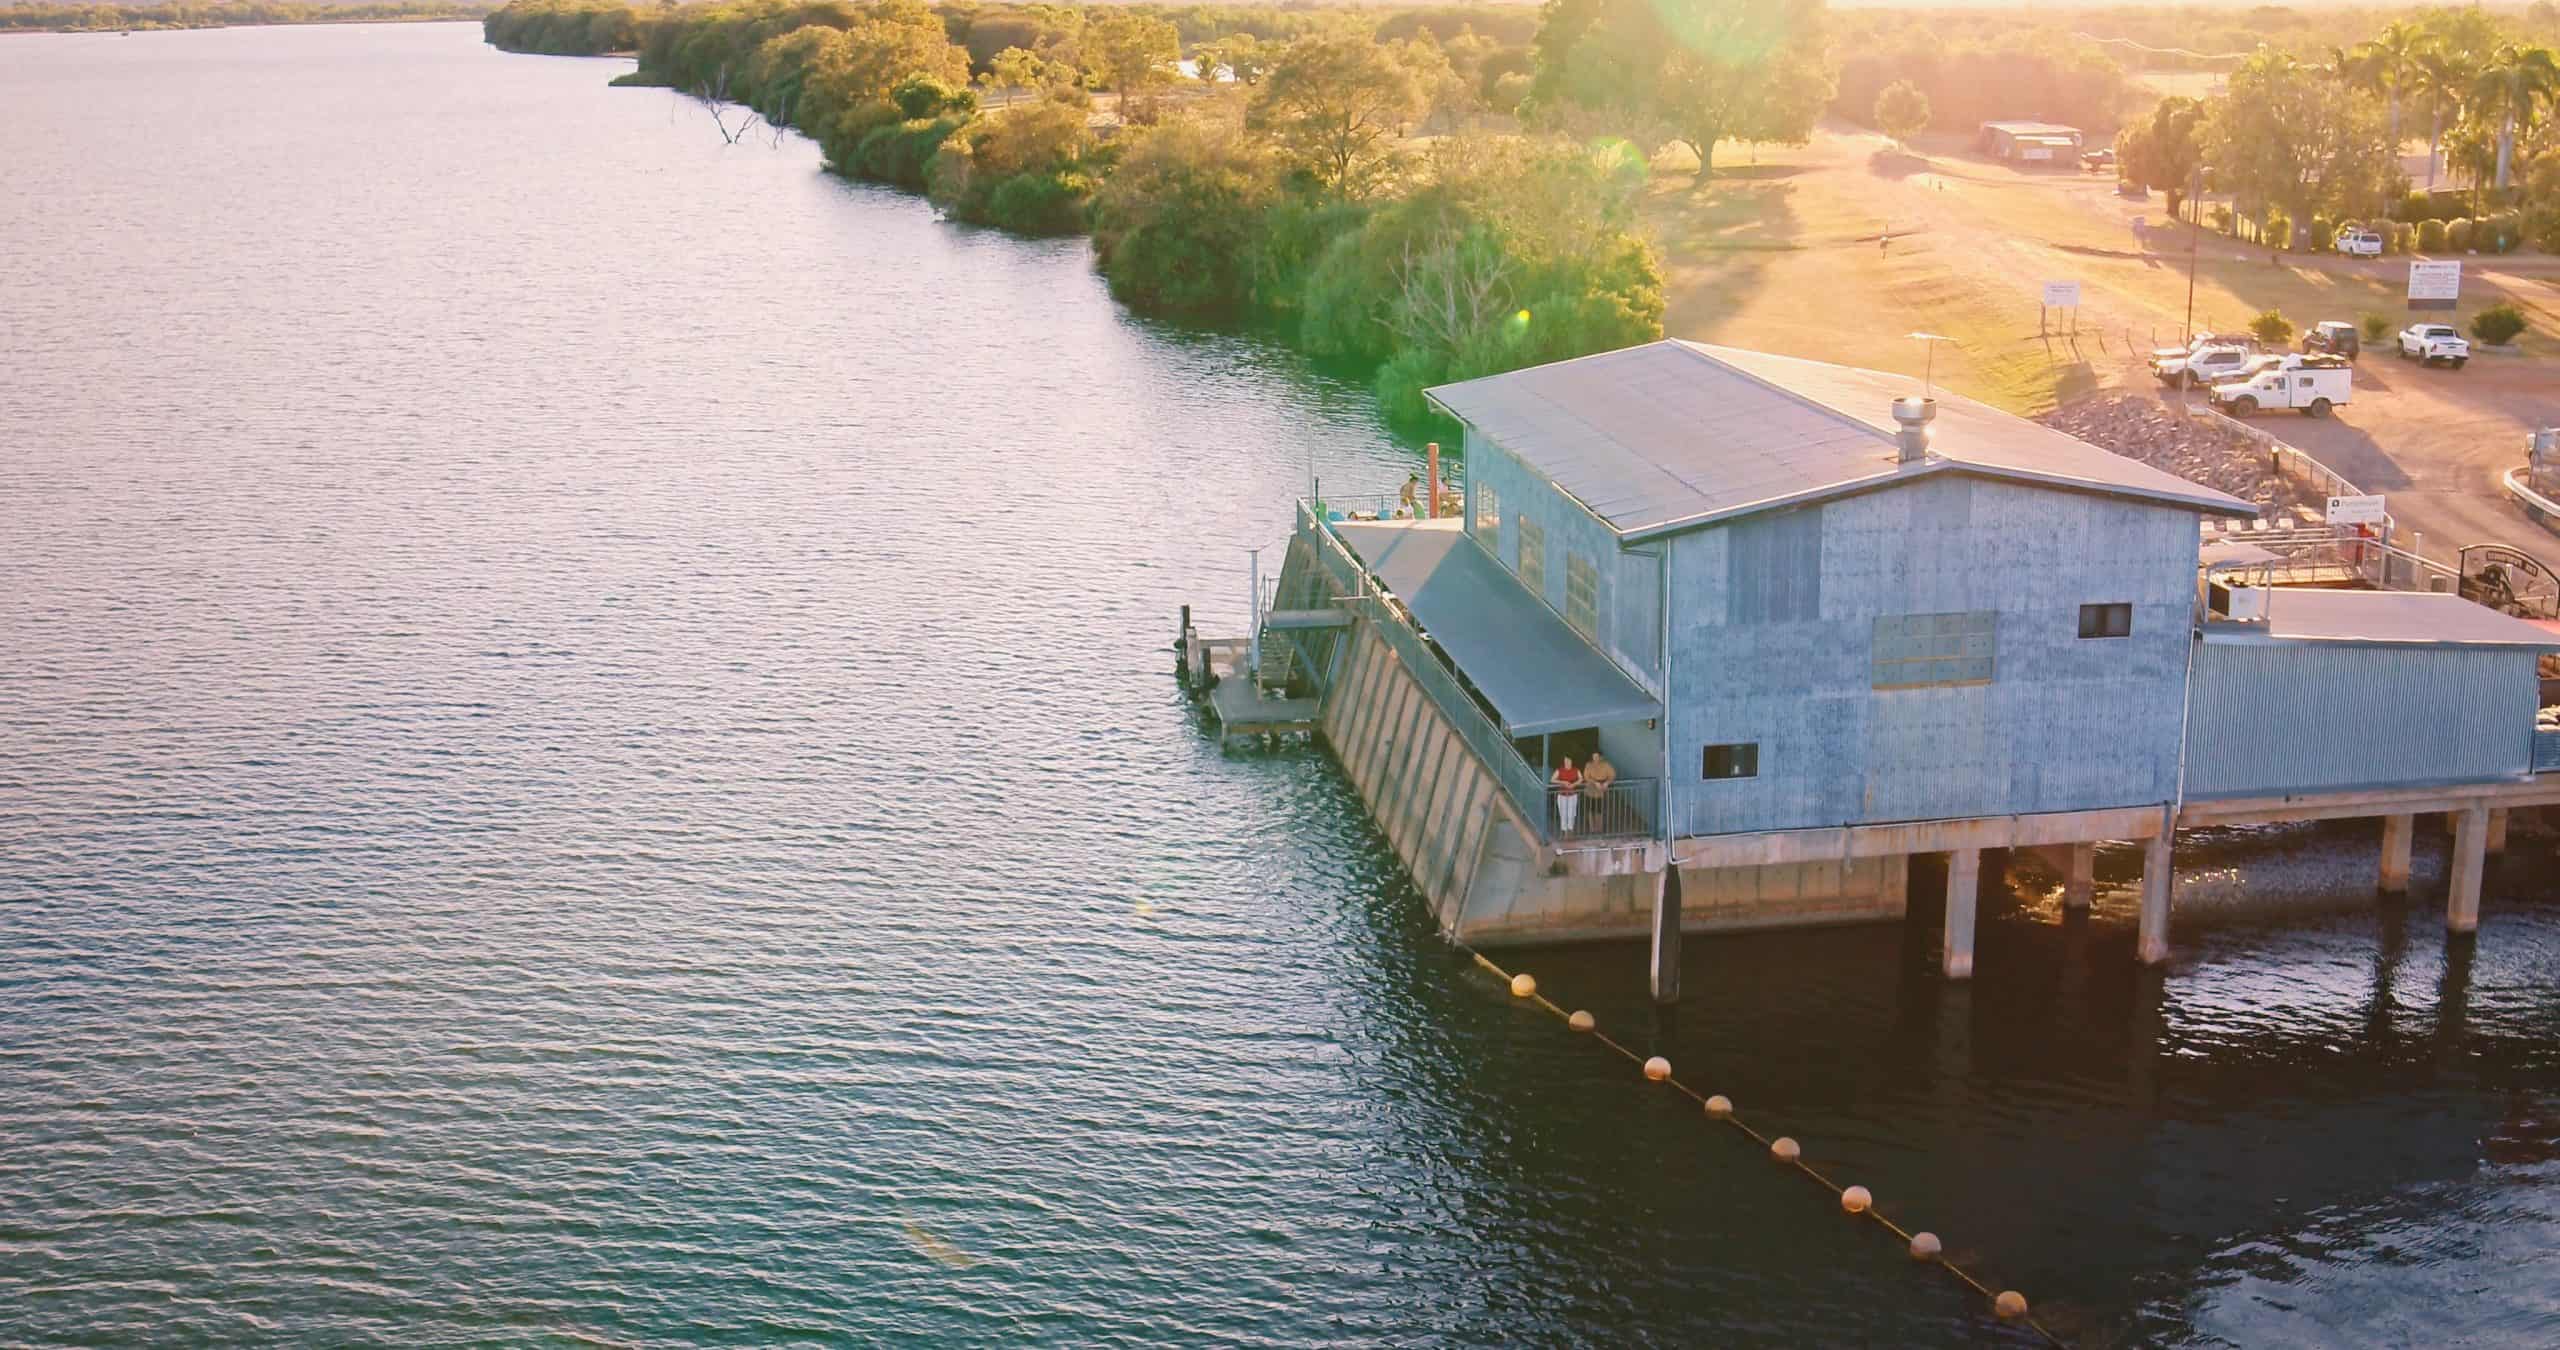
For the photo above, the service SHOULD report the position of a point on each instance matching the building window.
(1533, 555)
(2097, 621)
(1489, 518)
(1920, 651)
(1582, 595)
(1740, 760)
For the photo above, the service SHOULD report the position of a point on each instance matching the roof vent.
(1912, 416)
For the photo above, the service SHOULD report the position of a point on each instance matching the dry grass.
(1785, 255)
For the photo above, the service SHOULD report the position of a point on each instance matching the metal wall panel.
(2067, 723)
(1568, 529)
(2295, 717)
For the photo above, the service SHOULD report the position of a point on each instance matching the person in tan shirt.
(1597, 774)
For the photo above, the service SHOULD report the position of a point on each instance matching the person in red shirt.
(1567, 784)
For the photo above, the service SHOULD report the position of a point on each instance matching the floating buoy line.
(2007, 1304)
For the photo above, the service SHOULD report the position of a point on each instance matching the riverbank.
(1285, 189)
(45, 18)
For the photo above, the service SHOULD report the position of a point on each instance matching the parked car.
(2211, 366)
(2359, 243)
(2335, 337)
(2310, 385)
(2102, 158)
(2433, 342)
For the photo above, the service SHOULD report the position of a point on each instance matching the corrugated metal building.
(2030, 142)
(1842, 632)
(2351, 690)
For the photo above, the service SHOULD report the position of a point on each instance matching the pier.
(1820, 626)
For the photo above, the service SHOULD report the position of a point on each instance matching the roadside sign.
(2355, 510)
(2062, 295)
(2435, 285)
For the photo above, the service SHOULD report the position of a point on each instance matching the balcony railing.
(1627, 809)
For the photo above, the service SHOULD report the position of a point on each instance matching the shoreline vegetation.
(85, 18)
(1337, 174)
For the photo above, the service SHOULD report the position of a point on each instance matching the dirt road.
(1839, 249)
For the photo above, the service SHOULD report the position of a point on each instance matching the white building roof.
(2420, 618)
(2033, 128)
(1674, 435)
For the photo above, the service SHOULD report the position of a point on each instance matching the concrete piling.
(1964, 889)
(2080, 883)
(2470, 854)
(1666, 936)
(2159, 878)
(2497, 830)
(2397, 834)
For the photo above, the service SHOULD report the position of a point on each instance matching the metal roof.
(2033, 128)
(2398, 618)
(1673, 435)
(1539, 674)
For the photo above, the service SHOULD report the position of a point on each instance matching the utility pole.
(2195, 233)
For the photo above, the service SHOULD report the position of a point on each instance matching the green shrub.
(2222, 218)
(900, 151)
(2321, 237)
(2278, 231)
(1178, 225)
(2376, 326)
(2404, 238)
(2542, 225)
(2500, 233)
(2498, 325)
(2457, 235)
(1050, 202)
(2271, 328)
(919, 97)
(2431, 236)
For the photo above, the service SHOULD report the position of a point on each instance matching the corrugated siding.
(1635, 625)
(2067, 723)
(1567, 529)
(1775, 573)
(2302, 716)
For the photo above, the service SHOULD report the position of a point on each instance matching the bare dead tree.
(713, 95)
(1452, 288)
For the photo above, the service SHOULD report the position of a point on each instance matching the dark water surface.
(586, 755)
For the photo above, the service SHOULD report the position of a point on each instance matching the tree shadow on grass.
(1717, 244)
(1897, 164)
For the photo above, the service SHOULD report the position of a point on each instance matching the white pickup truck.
(2433, 342)
(2207, 366)
(2310, 385)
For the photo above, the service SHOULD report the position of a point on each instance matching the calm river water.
(586, 754)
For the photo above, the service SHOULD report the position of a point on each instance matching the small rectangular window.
(1582, 595)
(1533, 555)
(1741, 760)
(1489, 517)
(2106, 621)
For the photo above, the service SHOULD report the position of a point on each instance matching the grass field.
(1790, 254)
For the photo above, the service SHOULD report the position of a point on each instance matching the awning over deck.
(1539, 674)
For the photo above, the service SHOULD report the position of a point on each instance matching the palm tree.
(2385, 64)
(2511, 86)
(2443, 77)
